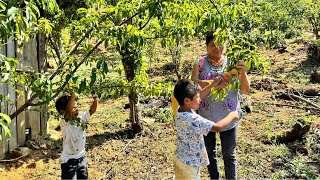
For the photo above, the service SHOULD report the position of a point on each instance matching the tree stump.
(315, 76)
(247, 103)
(297, 132)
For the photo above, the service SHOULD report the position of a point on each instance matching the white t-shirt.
(74, 139)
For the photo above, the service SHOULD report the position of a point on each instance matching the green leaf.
(99, 63)
(105, 67)
(93, 76)
(236, 47)
(6, 131)
(82, 85)
(5, 125)
(5, 77)
(7, 64)
(6, 118)
(234, 13)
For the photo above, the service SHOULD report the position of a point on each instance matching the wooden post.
(20, 95)
(34, 119)
(3, 109)
(27, 57)
(42, 66)
(13, 141)
(30, 59)
(4, 143)
(21, 118)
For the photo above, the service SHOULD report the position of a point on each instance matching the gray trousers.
(228, 143)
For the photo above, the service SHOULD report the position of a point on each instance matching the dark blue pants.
(75, 169)
(228, 143)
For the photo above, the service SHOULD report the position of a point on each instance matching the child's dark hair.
(185, 89)
(209, 36)
(62, 102)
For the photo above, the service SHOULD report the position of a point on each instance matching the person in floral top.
(191, 153)
(204, 70)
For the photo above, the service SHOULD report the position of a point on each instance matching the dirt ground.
(115, 153)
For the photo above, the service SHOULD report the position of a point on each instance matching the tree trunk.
(43, 67)
(316, 31)
(134, 111)
(175, 52)
(128, 62)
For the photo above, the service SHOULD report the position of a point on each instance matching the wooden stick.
(290, 105)
(305, 100)
(11, 160)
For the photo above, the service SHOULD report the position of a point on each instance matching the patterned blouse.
(191, 128)
(216, 110)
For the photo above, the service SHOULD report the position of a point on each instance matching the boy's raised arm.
(70, 107)
(206, 90)
(94, 105)
(223, 123)
(195, 75)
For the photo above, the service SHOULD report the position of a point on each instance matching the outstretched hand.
(94, 95)
(94, 105)
(224, 83)
(241, 66)
(216, 81)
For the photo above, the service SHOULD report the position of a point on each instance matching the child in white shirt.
(73, 157)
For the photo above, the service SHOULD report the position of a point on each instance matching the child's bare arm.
(223, 123)
(70, 107)
(94, 105)
(195, 75)
(207, 89)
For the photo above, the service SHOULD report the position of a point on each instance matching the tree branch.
(146, 22)
(59, 68)
(295, 106)
(56, 49)
(33, 97)
(215, 6)
(75, 47)
(24, 106)
(305, 100)
(123, 22)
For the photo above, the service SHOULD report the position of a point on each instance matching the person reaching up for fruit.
(191, 153)
(222, 101)
(73, 157)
